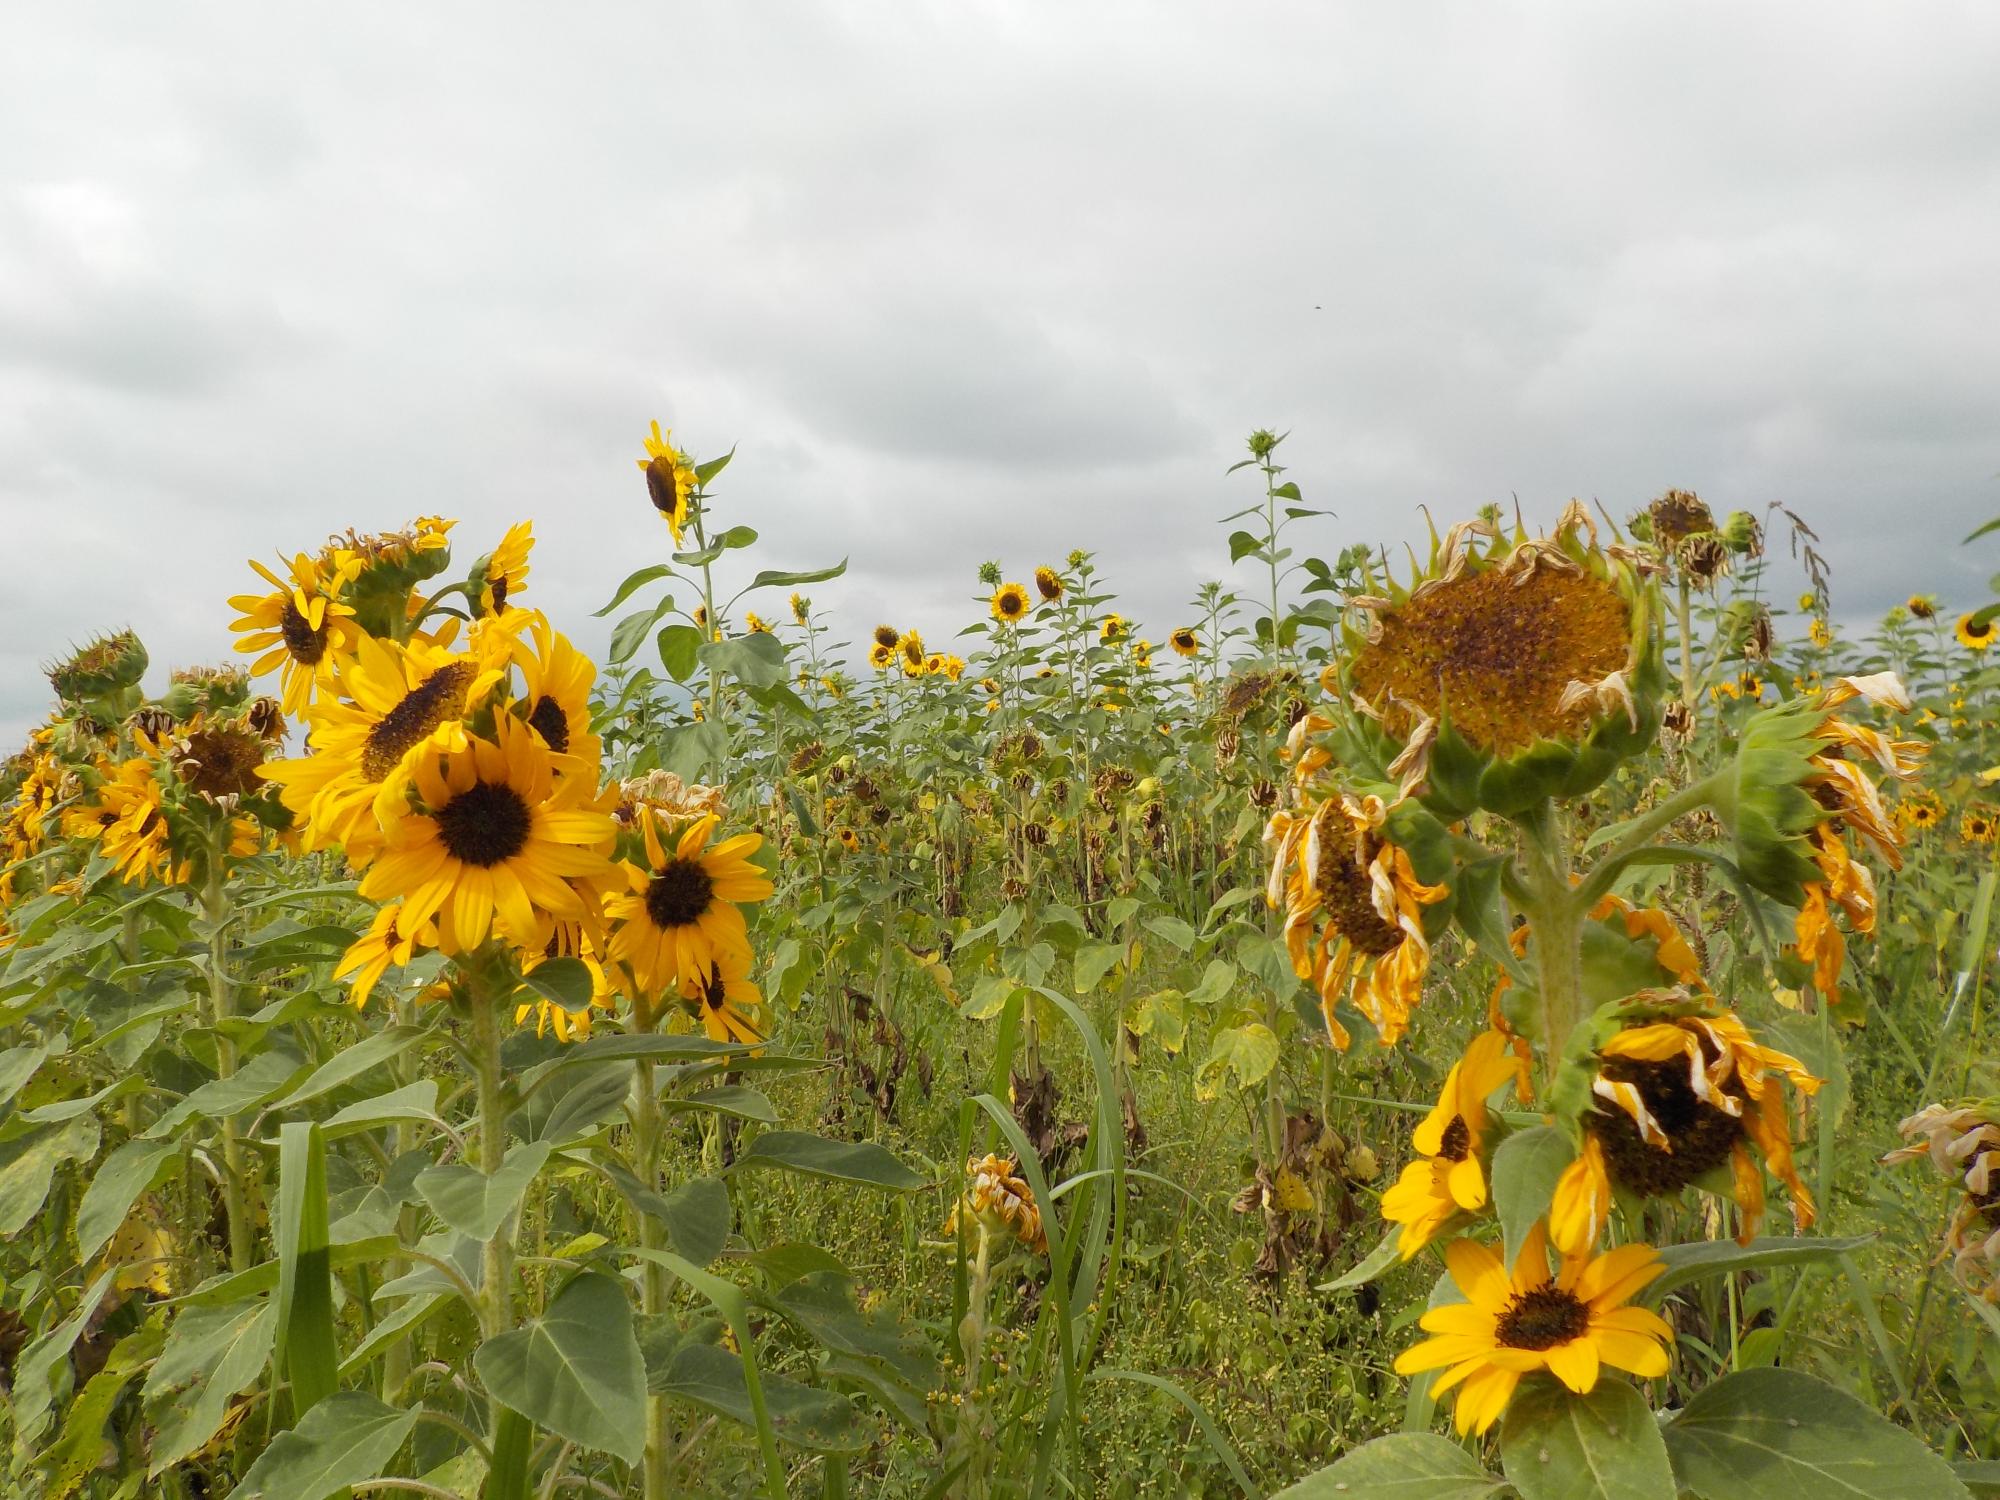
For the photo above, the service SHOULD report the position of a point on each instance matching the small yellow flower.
(1973, 633)
(1009, 603)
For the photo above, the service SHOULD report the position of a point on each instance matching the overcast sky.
(974, 280)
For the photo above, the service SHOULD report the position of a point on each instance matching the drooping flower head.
(500, 577)
(670, 480)
(1449, 1176)
(998, 1200)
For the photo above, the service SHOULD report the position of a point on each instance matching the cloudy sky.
(975, 280)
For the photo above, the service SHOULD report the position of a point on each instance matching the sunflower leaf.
(1401, 1466)
(1525, 1171)
(1557, 1445)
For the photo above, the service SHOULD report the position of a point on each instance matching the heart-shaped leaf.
(576, 1369)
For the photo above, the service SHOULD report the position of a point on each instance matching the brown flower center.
(661, 486)
(1493, 650)
(305, 644)
(220, 762)
(1701, 1136)
(1457, 1142)
(1348, 893)
(1542, 1318)
(438, 699)
(551, 723)
(680, 893)
(485, 824)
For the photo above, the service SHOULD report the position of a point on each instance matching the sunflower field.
(1511, 1021)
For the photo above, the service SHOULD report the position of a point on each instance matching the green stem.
(1555, 918)
(654, 1285)
(512, 1434)
(215, 907)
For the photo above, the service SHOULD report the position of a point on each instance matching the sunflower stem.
(215, 908)
(1555, 917)
(510, 1432)
(654, 1286)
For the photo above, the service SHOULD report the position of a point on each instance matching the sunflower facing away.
(1975, 634)
(681, 912)
(555, 694)
(493, 843)
(1049, 584)
(1677, 1099)
(1449, 1176)
(1185, 642)
(1570, 1323)
(729, 1007)
(670, 480)
(503, 574)
(301, 626)
(1009, 603)
(1114, 628)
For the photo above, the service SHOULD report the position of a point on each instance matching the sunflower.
(555, 697)
(849, 839)
(1570, 1323)
(1922, 606)
(1142, 654)
(1449, 1177)
(388, 941)
(1977, 825)
(502, 573)
(755, 623)
(128, 821)
(1185, 642)
(934, 664)
(801, 607)
(729, 1007)
(566, 940)
(301, 626)
(911, 649)
(493, 843)
(1113, 628)
(1009, 603)
(1334, 863)
(999, 1201)
(681, 911)
(881, 657)
(398, 703)
(670, 480)
(1676, 1099)
(1049, 584)
(1974, 633)
(952, 666)
(1920, 810)
(886, 636)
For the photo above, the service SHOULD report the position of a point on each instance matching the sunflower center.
(713, 992)
(1700, 1135)
(1542, 1318)
(1457, 1142)
(305, 644)
(1349, 896)
(679, 894)
(485, 824)
(221, 762)
(1493, 650)
(438, 699)
(661, 486)
(551, 723)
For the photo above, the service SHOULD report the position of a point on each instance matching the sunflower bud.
(1742, 535)
(109, 666)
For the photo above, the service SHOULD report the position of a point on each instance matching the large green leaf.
(304, 1346)
(1401, 1466)
(343, 1440)
(696, 1213)
(211, 1354)
(1702, 1258)
(756, 660)
(844, 1161)
(576, 1369)
(28, 1163)
(635, 627)
(32, 1393)
(114, 1188)
(1557, 1445)
(413, 1101)
(634, 582)
(1525, 1169)
(713, 1378)
(1780, 1432)
(475, 1204)
(769, 580)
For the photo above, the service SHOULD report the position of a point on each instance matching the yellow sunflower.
(670, 480)
(729, 1007)
(849, 839)
(881, 657)
(755, 623)
(1113, 628)
(886, 636)
(128, 821)
(387, 941)
(1820, 633)
(681, 911)
(801, 607)
(555, 696)
(1009, 603)
(566, 939)
(911, 649)
(1676, 1099)
(1570, 1323)
(398, 703)
(1973, 633)
(502, 574)
(1978, 825)
(1449, 1176)
(1049, 584)
(1185, 642)
(301, 626)
(1333, 865)
(1920, 809)
(1922, 606)
(493, 843)
(1142, 654)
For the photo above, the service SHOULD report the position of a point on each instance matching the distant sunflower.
(881, 657)
(670, 480)
(1820, 633)
(681, 911)
(911, 648)
(1922, 606)
(729, 1007)
(1049, 584)
(953, 666)
(886, 636)
(801, 607)
(1569, 1324)
(1142, 654)
(1009, 603)
(503, 573)
(301, 626)
(494, 842)
(1920, 810)
(1974, 633)
(1185, 642)
(849, 839)
(1113, 628)
(1978, 825)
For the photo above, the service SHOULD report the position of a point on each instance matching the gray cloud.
(991, 280)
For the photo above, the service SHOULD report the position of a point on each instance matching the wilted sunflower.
(1974, 633)
(493, 843)
(1977, 825)
(1049, 584)
(1009, 603)
(729, 1007)
(670, 480)
(301, 626)
(1449, 1176)
(1514, 670)
(886, 636)
(398, 703)
(1679, 1097)
(1964, 1143)
(1334, 865)
(503, 573)
(1184, 641)
(998, 1200)
(1569, 1324)
(681, 910)
(1112, 629)
(388, 941)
